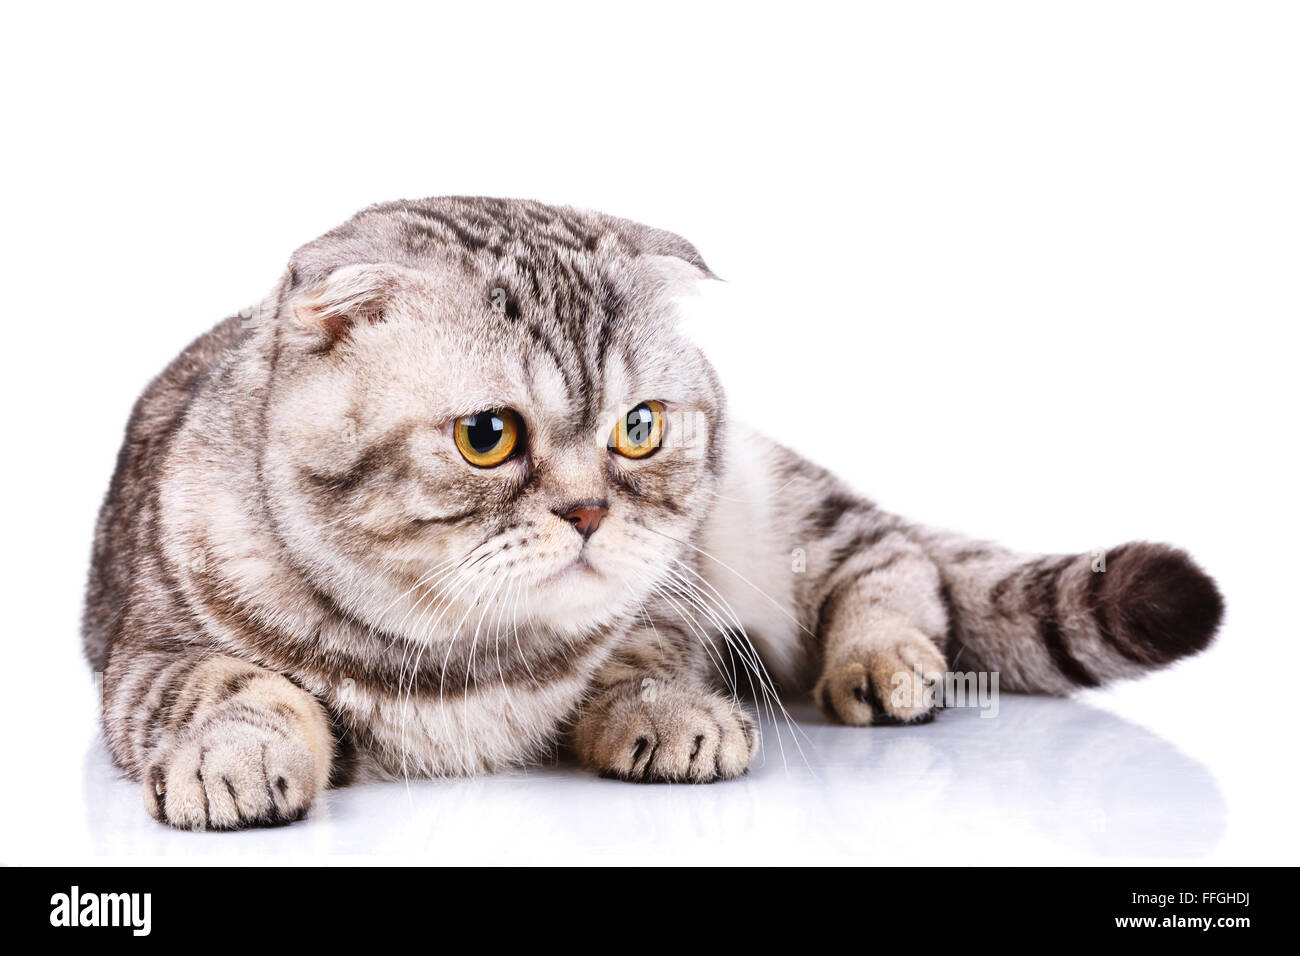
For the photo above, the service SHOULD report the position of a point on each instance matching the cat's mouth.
(576, 569)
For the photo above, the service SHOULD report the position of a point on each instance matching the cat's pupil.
(640, 424)
(484, 431)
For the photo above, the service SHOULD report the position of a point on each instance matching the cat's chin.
(576, 599)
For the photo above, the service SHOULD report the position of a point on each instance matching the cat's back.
(154, 419)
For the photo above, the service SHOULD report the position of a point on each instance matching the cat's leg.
(834, 590)
(216, 742)
(877, 603)
(882, 625)
(654, 714)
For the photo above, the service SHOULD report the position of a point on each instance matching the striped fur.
(883, 600)
(297, 580)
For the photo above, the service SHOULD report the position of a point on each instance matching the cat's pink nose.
(585, 517)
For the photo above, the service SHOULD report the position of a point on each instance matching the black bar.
(293, 904)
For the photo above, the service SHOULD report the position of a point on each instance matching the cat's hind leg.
(882, 627)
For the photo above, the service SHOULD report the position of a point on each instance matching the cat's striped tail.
(1055, 623)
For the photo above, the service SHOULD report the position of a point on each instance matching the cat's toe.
(681, 735)
(873, 683)
(231, 777)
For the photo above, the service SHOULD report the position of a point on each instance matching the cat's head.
(482, 408)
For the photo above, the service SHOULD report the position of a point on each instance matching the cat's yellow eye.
(639, 432)
(488, 438)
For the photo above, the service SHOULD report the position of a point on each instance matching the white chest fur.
(493, 726)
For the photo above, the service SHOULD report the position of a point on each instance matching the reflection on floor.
(1046, 780)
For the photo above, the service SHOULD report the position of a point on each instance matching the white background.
(1028, 270)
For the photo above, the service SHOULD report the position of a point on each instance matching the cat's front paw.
(233, 775)
(660, 731)
(886, 678)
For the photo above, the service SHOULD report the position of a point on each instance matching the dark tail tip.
(1165, 605)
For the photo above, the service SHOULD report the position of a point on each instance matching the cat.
(458, 492)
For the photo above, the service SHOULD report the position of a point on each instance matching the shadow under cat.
(1045, 776)
(1074, 773)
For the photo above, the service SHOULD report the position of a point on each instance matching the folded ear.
(670, 267)
(348, 296)
(669, 277)
(660, 244)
